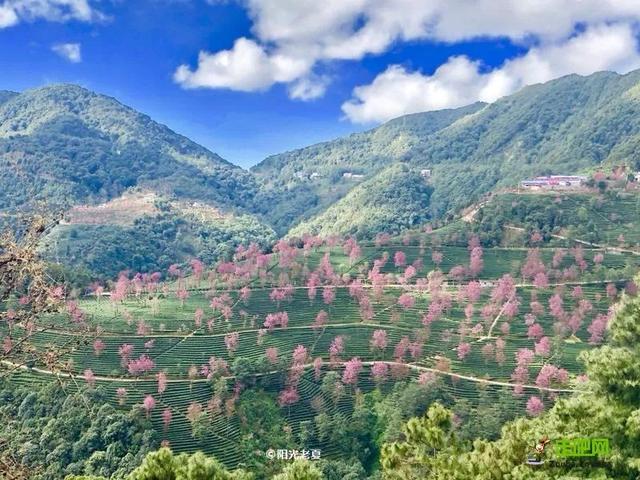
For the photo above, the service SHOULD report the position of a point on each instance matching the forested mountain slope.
(390, 201)
(308, 180)
(67, 145)
(564, 127)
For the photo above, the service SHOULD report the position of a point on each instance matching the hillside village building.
(554, 181)
(352, 175)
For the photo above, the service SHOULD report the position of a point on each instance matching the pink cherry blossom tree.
(89, 377)
(140, 365)
(279, 319)
(406, 301)
(535, 331)
(148, 404)
(166, 418)
(352, 369)
(379, 372)
(271, 354)
(524, 357)
(317, 368)
(598, 258)
(288, 396)
(321, 320)
(125, 351)
(543, 347)
(231, 341)
(162, 382)
(98, 347)
(597, 328)
(121, 394)
(463, 349)
(476, 263)
(399, 259)
(328, 295)
(336, 349)
(550, 374)
(197, 317)
(488, 351)
(379, 340)
(534, 406)
(473, 291)
(401, 349)
(300, 355)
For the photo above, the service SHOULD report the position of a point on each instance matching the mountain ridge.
(68, 146)
(569, 125)
(50, 132)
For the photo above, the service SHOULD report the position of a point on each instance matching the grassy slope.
(589, 217)
(148, 233)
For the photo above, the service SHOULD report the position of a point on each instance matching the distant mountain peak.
(77, 146)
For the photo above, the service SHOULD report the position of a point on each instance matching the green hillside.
(392, 200)
(302, 182)
(67, 145)
(6, 95)
(564, 126)
(147, 235)
(606, 218)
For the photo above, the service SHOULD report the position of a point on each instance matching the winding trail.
(306, 365)
(606, 248)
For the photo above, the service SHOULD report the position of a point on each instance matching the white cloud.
(245, 67)
(308, 88)
(461, 81)
(13, 12)
(8, 16)
(68, 51)
(293, 37)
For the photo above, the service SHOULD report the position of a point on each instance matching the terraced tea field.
(465, 348)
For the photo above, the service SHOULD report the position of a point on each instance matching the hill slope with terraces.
(312, 334)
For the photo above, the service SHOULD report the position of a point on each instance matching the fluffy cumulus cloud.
(294, 39)
(13, 12)
(246, 67)
(69, 51)
(461, 81)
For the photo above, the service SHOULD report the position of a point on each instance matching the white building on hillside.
(352, 175)
(554, 181)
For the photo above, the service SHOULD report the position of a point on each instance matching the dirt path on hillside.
(307, 365)
(606, 248)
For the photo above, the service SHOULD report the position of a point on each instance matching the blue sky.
(281, 74)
